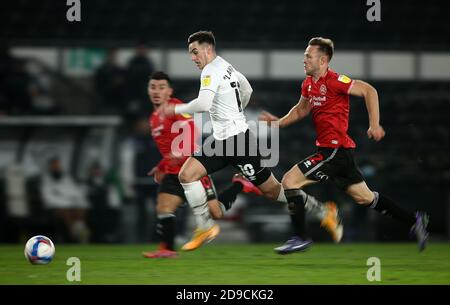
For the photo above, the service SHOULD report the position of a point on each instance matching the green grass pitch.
(233, 264)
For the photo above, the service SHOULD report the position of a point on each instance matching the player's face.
(159, 91)
(199, 53)
(312, 60)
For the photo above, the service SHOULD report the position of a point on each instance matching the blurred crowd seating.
(405, 24)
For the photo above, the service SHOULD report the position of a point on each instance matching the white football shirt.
(227, 110)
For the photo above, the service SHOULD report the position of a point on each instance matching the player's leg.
(292, 181)
(263, 178)
(190, 178)
(325, 212)
(190, 175)
(170, 197)
(418, 221)
(227, 197)
(166, 226)
(272, 187)
(312, 169)
(251, 167)
(249, 162)
(216, 208)
(362, 195)
(316, 168)
(350, 179)
(319, 210)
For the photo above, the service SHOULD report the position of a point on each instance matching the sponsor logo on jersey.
(317, 100)
(206, 81)
(344, 79)
(307, 163)
(323, 89)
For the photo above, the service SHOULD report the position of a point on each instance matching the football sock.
(196, 197)
(166, 230)
(296, 208)
(313, 206)
(386, 206)
(228, 196)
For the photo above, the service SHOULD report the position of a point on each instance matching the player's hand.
(377, 133)
(167, 110)
(158, 175)
(268, 117)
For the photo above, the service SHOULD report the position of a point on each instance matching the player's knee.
(271, 193)
(216, 215)
(363, 199)
(289, 182)
(164, 208)
(186, 176)
(270, 188)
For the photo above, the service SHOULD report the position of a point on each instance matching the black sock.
(228, 196)
(166, 230)
(296, 207)
(386, 206)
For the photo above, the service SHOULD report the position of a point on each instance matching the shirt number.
(235, 85)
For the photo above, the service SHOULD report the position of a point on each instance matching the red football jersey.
(184, 133)
(330, 107)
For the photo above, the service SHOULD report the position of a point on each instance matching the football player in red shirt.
(325, 94)
(175, 137)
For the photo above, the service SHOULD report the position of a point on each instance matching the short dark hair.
(325, 45)
(159, 75)
(201, 37)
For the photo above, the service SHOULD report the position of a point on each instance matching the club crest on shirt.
(344, 79)
(323, 89)
(206, 81)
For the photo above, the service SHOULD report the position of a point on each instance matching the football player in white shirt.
(225, 92)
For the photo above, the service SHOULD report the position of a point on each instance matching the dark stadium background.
(411, 165)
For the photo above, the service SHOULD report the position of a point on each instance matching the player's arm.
(298, 112)
(370, 95)
(209, 83)
(158, 172)
(245, 89)
(201, 104)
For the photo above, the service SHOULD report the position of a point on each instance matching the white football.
(39, 250)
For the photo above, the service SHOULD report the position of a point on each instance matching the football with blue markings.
(39, 250)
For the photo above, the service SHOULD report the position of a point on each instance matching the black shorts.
(171, 185)
(240, 151)
(337, 164)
